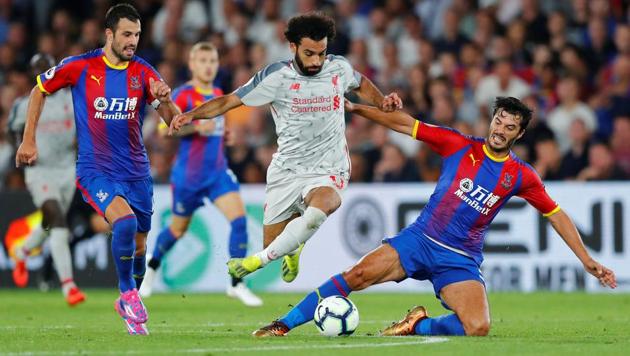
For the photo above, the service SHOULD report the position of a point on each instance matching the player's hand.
(177, 123)
(391, 102)
(160, 90)
(26, 154)
(348, 105)
(205, 127)
(605, 276)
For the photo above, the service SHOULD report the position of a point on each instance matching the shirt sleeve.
(262, 88)
(64, 74)
(533, 191)
(351, 78)
(443, 140)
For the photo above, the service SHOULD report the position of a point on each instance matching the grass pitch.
(211, 324)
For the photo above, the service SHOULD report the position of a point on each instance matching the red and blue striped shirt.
(472, 188)
(109, 106)
(199, 157)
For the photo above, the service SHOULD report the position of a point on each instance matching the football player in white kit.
(51, 182)
(310, 170)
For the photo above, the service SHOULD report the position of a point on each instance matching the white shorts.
(51, 184)
(286, 191)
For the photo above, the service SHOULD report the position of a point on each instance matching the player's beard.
(121, 55)
(503, 148)
(305, 70)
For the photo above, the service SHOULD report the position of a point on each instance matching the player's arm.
(398, 120)
(533, 190)
(27, 152)
(209, 109)
(565, 227)
(369, 93)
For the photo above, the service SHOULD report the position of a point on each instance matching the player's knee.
(477, 327)
(314, 217)
(141, 249)
(178, 231)
(125, 226)
(52, 215)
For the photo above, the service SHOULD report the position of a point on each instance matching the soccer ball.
(336, 316)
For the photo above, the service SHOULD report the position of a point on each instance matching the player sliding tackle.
(311, 168)
(444, 245)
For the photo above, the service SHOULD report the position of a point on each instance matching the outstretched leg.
(379, 266)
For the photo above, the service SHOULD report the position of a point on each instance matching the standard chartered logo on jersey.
(194, 258)
(115, 108)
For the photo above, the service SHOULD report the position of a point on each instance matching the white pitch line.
(254, 348)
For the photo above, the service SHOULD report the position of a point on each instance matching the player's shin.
(295, 233)
(139, 268)
(60, 250)
(165, 241)
(34, 240)
(304, 310)
(238, 237)
(442, 325)
(123, 246)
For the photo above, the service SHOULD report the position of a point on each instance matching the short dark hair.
(314, 25)
(120, 11)
(515, 107)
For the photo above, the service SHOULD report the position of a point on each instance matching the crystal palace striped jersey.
(109, 105)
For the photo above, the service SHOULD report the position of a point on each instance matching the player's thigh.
(141, 243)
(231, 205)
(179, 225)
(379, 266)
(271, 231)
(469, 301)
(117, 209)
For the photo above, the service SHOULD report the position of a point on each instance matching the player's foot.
(146, 289)
(241, 267)
(136, 328)
(20, 274)
(130, 306)
(244, 294)
(291, 265)
(406, 326)
(276, 328)
(75, 296)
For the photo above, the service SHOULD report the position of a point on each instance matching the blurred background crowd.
(569, 60)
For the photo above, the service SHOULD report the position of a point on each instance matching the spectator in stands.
(502, 82)
(576, 159)
(620, 143)
(601, 165)
(570, 109)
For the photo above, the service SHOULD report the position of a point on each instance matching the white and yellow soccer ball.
(336, 316)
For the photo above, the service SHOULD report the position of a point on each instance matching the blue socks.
(164, 243)
(442, 325)
(238, 237)
(123, 247)
(139, 267)
(303, 312)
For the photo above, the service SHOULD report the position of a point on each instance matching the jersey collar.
(122, 66)
(494, 158)
(203, 91)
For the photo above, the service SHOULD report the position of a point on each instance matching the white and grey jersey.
(55, 130)
(308, 112)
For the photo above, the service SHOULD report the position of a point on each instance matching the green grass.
(542, 323)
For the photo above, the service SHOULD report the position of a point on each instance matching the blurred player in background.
(51, 182)
(311, 168)
(200, 171)
(444, 245)
(110, 89)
